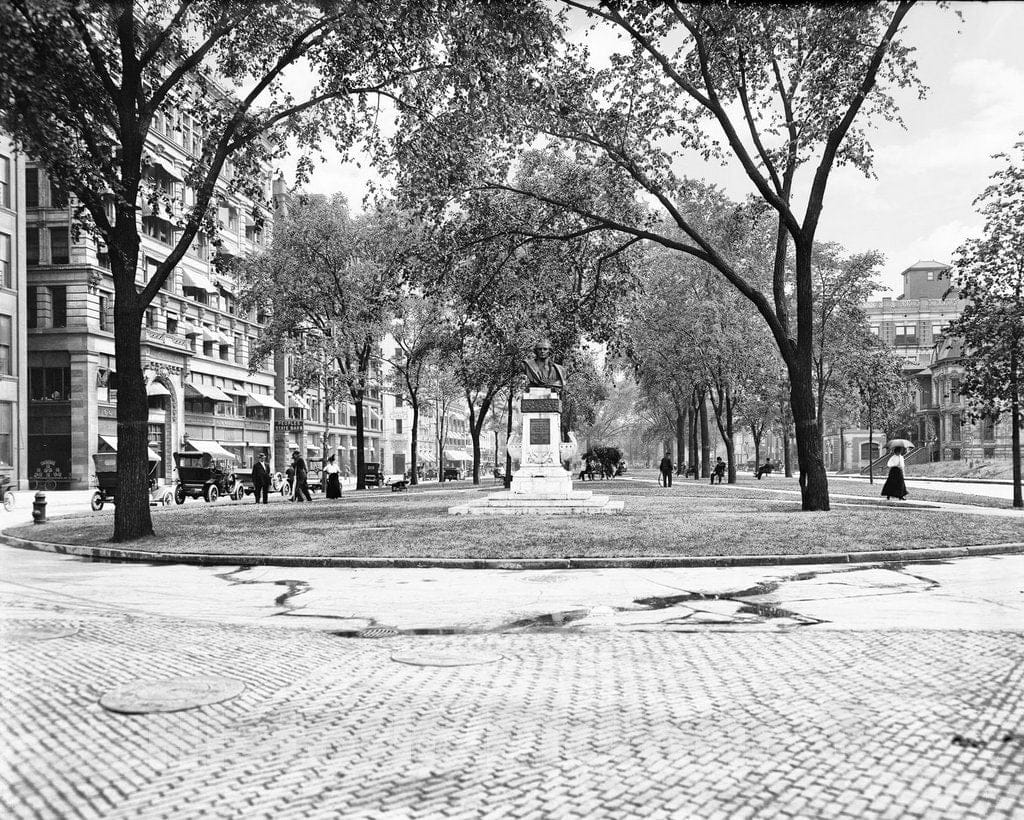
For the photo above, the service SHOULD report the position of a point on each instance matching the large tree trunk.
(415, 439)
(842, 448)
(756, 433)
(705, 439)
(1018, 499)
(691, 417)
(357, 400)
(813, 479)
(132, 518)
(680, 439)
(508, 434)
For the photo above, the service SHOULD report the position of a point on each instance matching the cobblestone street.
(703, 723)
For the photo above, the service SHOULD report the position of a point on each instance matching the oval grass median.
(691, 519)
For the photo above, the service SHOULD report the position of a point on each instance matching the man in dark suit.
(261, 478)
(301, 474)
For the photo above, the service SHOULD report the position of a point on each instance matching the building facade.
(195, 340)
(13, 333)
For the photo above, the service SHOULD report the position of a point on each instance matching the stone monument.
(541, 485)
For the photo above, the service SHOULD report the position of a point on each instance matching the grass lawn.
(690, 519)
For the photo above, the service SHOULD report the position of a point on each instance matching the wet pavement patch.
(446, 658)
(15, 632)
(171, 695)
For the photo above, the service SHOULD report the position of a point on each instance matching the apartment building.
(195, 340)
(13, 336)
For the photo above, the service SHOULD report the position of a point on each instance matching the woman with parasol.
(895, 486)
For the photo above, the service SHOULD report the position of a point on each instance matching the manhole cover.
(446, 658)
(378, 632)
(172, 695)
(25, 631)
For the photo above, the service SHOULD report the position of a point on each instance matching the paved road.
(885, 691)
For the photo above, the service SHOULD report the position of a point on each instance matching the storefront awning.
(457, 455)
(429, 458)
(260, 400)
(190, 279)
(214, 448)
(110, 442)
(298, 401)
(165, 166)
(207, 391)
(154, 388)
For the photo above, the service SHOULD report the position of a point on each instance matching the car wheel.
(286, 489)
(96, 502)
(179, 494)
(211, 493)
(166, 498)
(8, 500)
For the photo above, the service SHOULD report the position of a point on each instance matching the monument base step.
(581, 502)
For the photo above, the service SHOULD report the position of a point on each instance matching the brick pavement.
(619, 724)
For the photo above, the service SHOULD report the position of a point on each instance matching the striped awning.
(206, 391)
(260, 400)
(110, 442)
(154, 388)
(191, 279)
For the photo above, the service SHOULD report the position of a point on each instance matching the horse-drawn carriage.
(105, 464)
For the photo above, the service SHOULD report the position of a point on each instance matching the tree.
(83, 85)
(990, 273)
(878, 379)
(775, 88)
(326, 275)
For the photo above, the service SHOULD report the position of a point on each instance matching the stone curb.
(648, 562)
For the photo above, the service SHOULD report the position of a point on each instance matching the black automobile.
(200, 475)
(372, 474)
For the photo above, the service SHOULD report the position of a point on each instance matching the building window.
(5, 181)
(6, 266)
(6, 433)
(988, 430)
(224, 354)
(32, 246)
(59, 302)
(159, 229)
(104, 307)
(31, 187)
(49, 383)
(931, 276)
(6, 346)
(399, 401)
(954, 427)
(172, 324)
(58, 196)
(149, 317)
(906, 335)
(106, 385)
(238, 349)
(60, 249)
(398, 427)
(938, 329)
(208, 349)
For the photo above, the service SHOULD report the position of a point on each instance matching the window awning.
(167, 168)
(260, 400)
(154, 388)
(208, 335)
(111, 443)
(298, 401)
(236, 390)
(207, 391)
(186, 328)
(212, 447)
(223, 338)
(457, 455)
(190, 279)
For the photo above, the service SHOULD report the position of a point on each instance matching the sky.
(920, 205)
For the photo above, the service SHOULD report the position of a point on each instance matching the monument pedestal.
(541, 485)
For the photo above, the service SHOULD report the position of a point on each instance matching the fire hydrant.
(39, 508)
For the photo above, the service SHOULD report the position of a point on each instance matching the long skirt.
(894, 486)
(333, 486)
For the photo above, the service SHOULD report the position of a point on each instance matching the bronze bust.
(541, 371)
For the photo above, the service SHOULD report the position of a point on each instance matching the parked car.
(106, 481)
(452, 474)
(240, 483)
(200, 475)
(372, 475)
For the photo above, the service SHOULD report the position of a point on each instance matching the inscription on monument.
(540, 431)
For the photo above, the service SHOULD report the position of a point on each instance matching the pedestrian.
(333, 473)
(301, 489)
(719, 471)
(894, 485)
(261, 479)
(666, 470)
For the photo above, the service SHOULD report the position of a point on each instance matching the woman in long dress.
(333, 473)
(895, 486)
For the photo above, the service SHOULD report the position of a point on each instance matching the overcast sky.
(920, 205)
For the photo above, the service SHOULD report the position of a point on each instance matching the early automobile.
(372, 474)
(205, 470)
(107, 484)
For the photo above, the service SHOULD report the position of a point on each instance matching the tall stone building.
(13, 336)
(195, 340)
